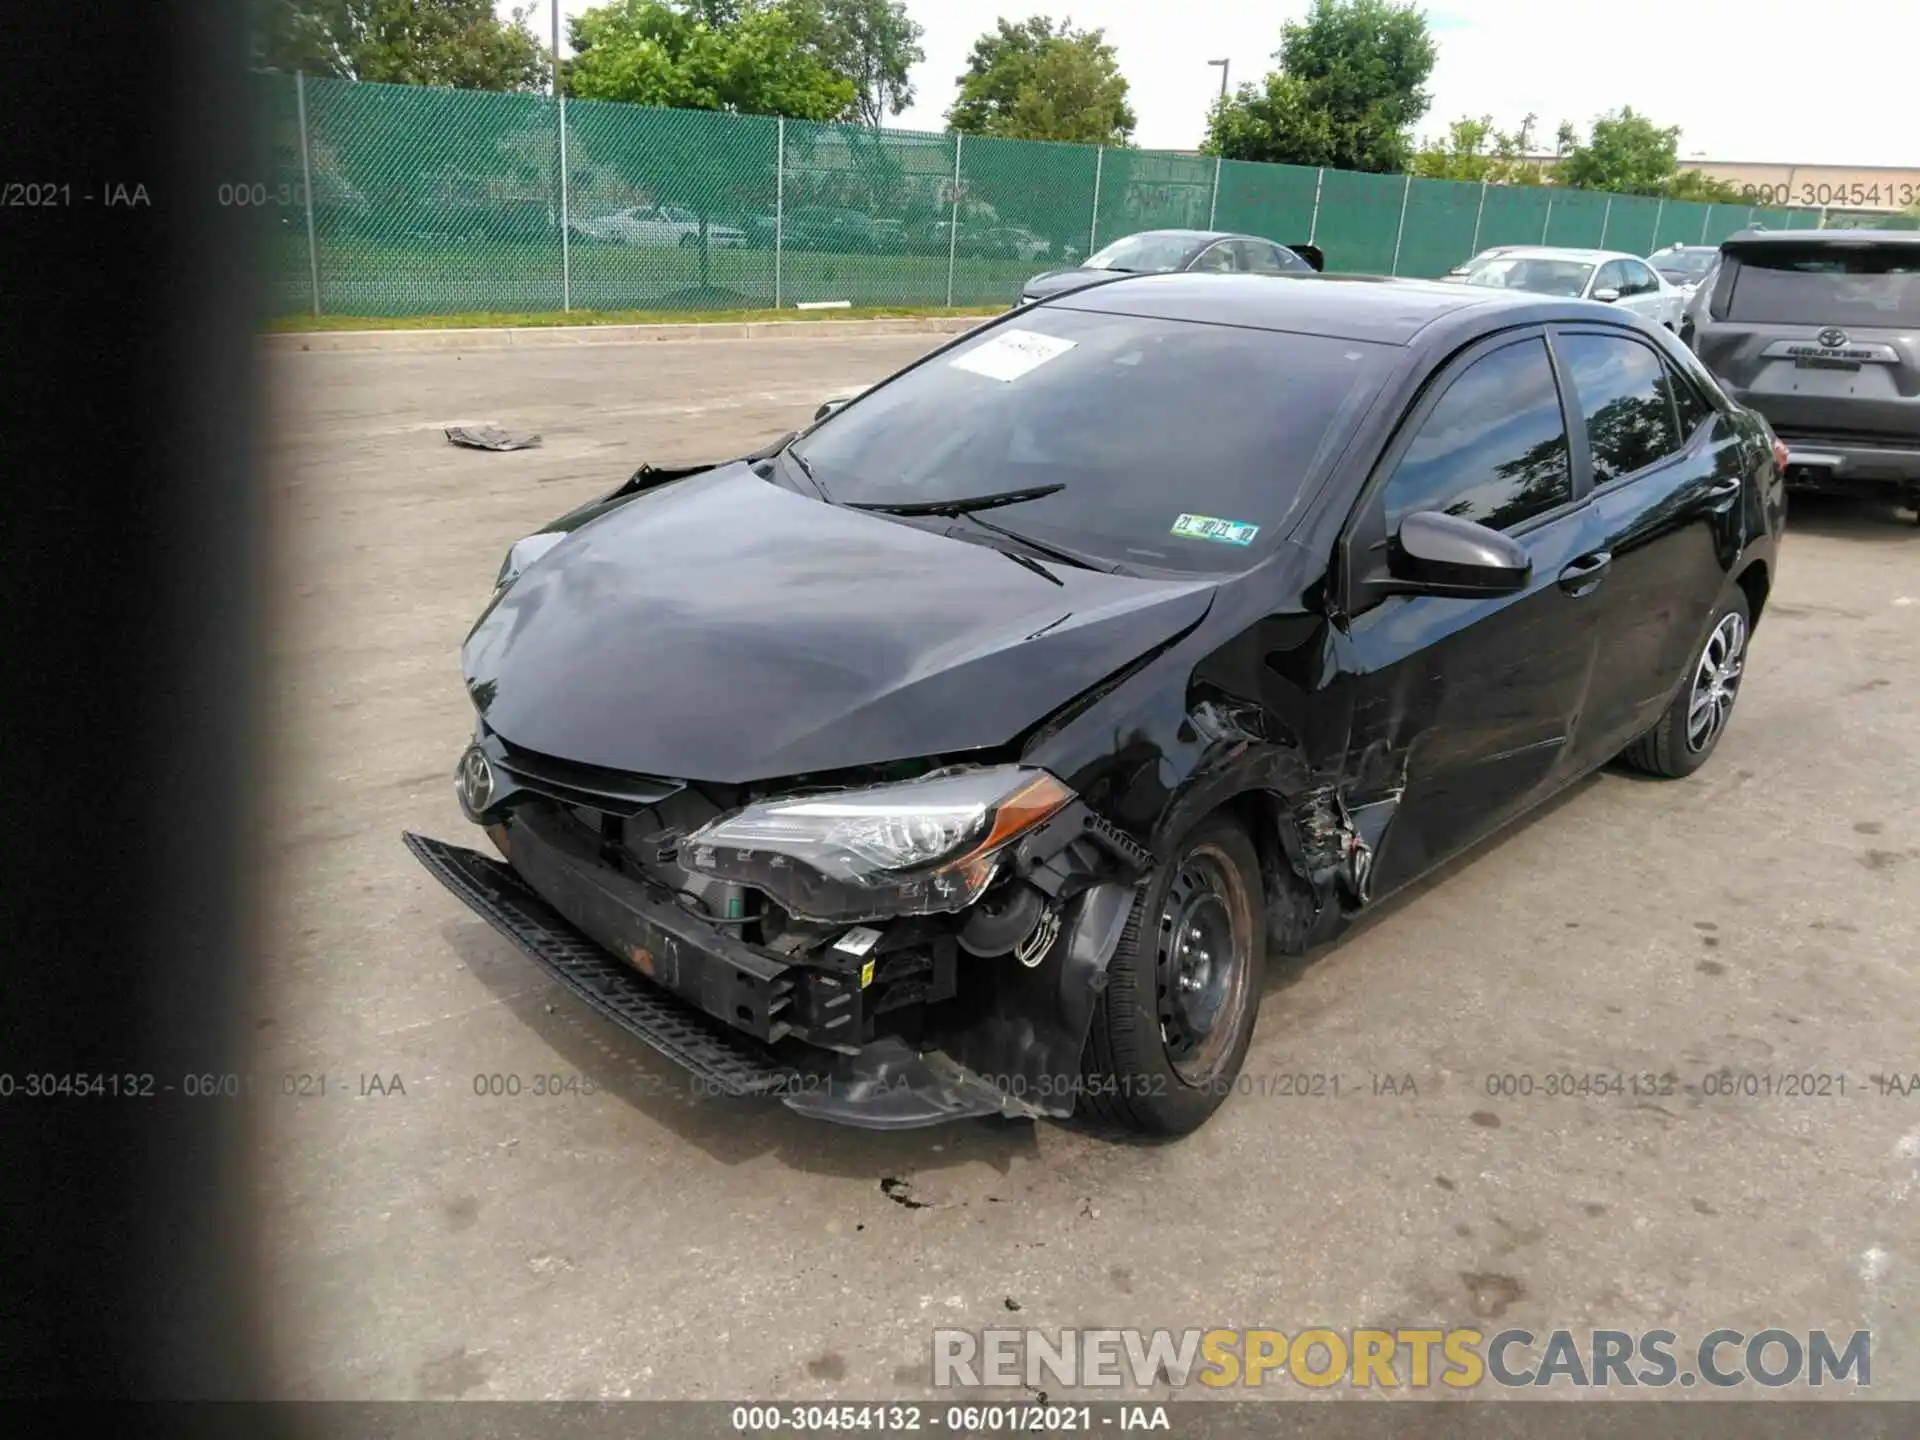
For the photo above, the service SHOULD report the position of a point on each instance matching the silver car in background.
(1609, 276)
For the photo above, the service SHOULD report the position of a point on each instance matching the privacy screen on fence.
(403, 200)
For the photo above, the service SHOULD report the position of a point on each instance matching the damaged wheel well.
(1292, 906)
(1754, 581)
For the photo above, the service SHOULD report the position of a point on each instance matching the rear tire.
(1688, 732)
(1171, 1029)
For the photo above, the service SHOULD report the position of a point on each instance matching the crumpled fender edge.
(1021, 1060)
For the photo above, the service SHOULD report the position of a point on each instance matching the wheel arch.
(1295, 904)
(1755, 581)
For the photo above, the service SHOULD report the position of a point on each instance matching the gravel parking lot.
(423, 1239)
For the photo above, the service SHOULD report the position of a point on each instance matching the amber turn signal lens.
(1018, 813)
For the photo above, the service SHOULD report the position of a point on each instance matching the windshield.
(1179, 446)
(1685, 265)
(1148, 254)
(1533, 273)
(1866, 286)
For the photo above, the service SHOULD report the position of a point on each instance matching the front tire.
(1171, 1029)
(1687, 733)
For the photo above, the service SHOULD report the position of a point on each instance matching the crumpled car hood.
(724, 629)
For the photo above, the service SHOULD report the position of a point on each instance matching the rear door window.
(1620, 386)
(1493, 450)
(1640, 280)
(1260, 257)
(1612, 276)
(1688, 403)
(1868, 286)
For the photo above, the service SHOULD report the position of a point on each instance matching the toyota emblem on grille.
(475, 780)
(1832, 338)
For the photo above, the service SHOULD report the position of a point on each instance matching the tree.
(1040, 81)
(873, 43)
(744, 57)
(1697, 185)
(1628, 154)
(1475, 150)
(749, 56)
(457, 43)
(1347, 92)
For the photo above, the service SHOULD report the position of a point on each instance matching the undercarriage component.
(1066, 852)
(998, 921)
(1033, 948)
(726, 1059)
(1029, 1038)
(891, 1086)
(1019, 1056)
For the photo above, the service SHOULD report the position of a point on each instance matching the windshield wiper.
(1026, 562)
(1076, 558)
(965, 505)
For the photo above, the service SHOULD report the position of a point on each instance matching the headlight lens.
(918, 847)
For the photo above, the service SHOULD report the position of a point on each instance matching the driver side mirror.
(1438, 554)
(1606, 296)
(827, 407)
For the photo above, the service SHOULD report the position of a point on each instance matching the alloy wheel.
(1716, 682)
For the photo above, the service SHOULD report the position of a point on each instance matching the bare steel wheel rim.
(1200, 974)
(1716, 682)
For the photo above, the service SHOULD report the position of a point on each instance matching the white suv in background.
(1610, 276)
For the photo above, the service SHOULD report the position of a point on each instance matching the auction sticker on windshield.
(1207, 527)
(1012, 353)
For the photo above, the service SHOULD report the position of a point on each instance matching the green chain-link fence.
(400, 200)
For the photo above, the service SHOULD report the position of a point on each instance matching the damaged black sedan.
(968, 752)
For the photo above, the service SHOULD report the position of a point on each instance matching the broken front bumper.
(1021, 1057)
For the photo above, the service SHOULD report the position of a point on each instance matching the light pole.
(560, 104)
(1223, 76)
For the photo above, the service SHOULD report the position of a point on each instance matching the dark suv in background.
(1819, 331)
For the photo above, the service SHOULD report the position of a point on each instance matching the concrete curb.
(537, 336)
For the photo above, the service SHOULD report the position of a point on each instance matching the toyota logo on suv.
(1832, 337)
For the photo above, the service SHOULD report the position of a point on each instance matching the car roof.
(1750, 239)
(1371, 308)
(1195, 237)
(1563, 252)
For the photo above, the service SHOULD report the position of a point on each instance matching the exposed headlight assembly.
(917, 847)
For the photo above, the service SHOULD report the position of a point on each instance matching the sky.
(1750, 81)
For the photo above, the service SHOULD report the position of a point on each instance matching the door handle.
(1584, 574)
(1724, 489)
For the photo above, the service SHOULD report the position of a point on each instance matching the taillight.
(1780, 456)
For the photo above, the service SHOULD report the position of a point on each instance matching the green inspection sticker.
(1208, 527)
